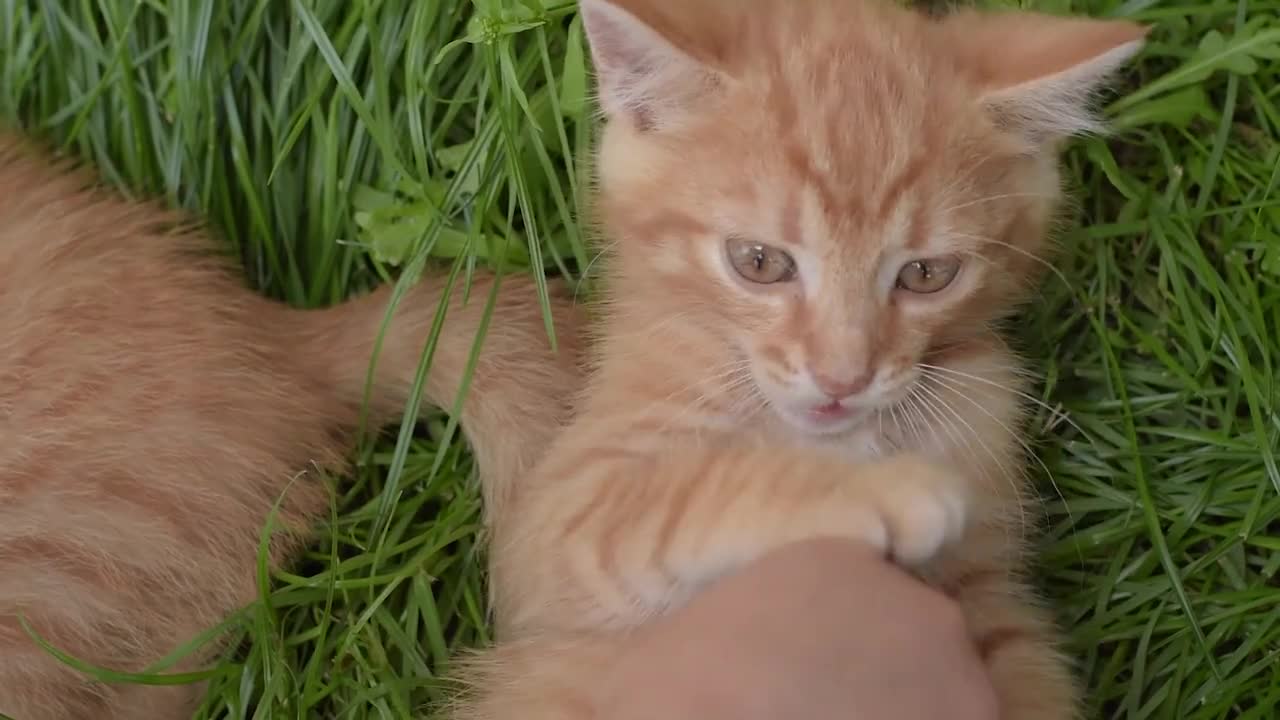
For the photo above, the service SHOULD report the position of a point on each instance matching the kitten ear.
(1040, 73)
(641, 75)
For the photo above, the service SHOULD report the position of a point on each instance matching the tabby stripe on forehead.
(792, 231)
(798, 158)
(901, 183)
(781, 100)
(669, 223)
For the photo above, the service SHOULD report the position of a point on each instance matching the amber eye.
(760, 263)
(925, 277)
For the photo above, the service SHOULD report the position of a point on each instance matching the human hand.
(819, 630)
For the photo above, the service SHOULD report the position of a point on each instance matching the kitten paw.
(925, 507)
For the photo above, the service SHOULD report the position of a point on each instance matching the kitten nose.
(839, 388)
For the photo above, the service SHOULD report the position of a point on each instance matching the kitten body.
(783, 183)
(153, 410)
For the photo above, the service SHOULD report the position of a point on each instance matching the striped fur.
(153, 409)
(857, 137)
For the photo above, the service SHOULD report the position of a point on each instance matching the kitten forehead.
(837, 77)
(842, 99)
(846, 128)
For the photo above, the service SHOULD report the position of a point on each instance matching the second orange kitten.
(153, 410)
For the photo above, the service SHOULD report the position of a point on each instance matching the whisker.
(735, 377)
(898, 432)
(1018, 369)
(1017, 437)
(993, 198)
(1056, 413)
(1009, 477)
(1021, 251)
(719, 374)
(915, 405)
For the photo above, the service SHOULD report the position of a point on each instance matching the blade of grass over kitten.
(391, 494)
(411, 415)
(30, 182)
(241, 117)
(112, 676)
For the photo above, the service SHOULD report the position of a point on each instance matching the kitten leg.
(534, 679)
(1018, 641)
(620, 540)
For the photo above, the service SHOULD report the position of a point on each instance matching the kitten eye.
(926, 277)
(760, 263)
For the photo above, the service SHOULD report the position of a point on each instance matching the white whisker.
(1021, 251)
(993, 198)
(915, 406)
(1010, 478)
(1015, 436)
(1056, 413)
(720, 374)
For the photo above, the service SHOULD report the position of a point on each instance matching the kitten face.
(834, 284)
(827, 191)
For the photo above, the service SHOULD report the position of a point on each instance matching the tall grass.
(332, 142)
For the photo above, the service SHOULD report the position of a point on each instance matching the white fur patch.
(1060, 105)
(640, 74)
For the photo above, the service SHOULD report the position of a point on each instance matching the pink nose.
(839, 388)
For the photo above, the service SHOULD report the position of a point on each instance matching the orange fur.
(858, 137)
(153, 409)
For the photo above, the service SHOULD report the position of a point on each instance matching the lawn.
(332, 140)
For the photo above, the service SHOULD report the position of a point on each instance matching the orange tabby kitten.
(820, 211)
(153, 409)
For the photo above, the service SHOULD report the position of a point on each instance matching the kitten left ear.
(641, 74)
(1040, 73)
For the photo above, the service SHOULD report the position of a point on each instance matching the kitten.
(820, 211)
(153, 409)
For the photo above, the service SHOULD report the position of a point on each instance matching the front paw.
(925, 507)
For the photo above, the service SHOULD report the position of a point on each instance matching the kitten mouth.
(830, 413)
(830, 419)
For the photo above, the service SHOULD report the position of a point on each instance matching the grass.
(331, 141)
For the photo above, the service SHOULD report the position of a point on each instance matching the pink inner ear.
(613, 39)
(642, 73)
(1008, 49)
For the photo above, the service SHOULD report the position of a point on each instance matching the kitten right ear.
(1040, 73)
(641, 75)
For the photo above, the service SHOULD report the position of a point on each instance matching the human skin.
(818, 630)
